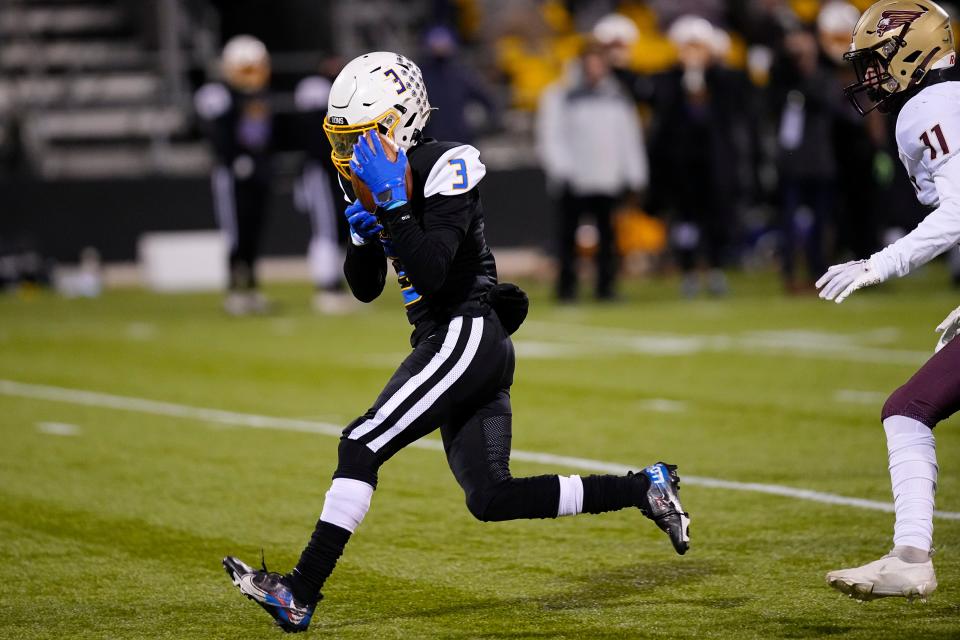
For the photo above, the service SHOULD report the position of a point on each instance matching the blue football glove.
(388, 249)
(386, 180)
(364, 225)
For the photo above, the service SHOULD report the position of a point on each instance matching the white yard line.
(253, 421)
(854, 396)
(141, 331)
(566, 341)
(580, 340)
(58, 428)
(662, 405)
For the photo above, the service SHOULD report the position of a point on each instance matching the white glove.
(948, 329)
(841, 280)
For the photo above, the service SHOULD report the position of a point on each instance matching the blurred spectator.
(702, 136)
(538, 40)
(592, 150)
(461, 88)
(618, 35)
(804, 101)
(317, 195)
(669, 11)
(855, 142)
(237, 118)
(763, 24)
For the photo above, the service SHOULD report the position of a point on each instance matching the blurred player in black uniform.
(457, 378)
(237, 117)
(317, 196)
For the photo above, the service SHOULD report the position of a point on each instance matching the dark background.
(60, 218)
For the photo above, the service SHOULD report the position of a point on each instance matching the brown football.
(361, 190)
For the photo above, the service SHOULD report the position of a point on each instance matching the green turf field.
(115, 513)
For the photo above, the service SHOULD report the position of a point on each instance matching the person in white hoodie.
(591, 146)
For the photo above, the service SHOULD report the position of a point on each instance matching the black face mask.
(875, 86)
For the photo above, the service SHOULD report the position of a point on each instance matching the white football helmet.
(380, 90)
(246, 64)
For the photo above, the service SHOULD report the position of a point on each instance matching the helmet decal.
(378, 90)
(894, 19)
(390, 73)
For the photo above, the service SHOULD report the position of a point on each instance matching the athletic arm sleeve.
(936, 233)
(366, 270)
(426, 253)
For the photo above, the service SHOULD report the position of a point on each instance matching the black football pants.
(457, 379)
(241, 206)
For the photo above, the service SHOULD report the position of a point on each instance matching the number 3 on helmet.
(379, 90)
(895, 44)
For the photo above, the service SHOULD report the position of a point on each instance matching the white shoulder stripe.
(457, 171)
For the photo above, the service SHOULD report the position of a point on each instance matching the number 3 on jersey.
(460, 171)
(937, 147)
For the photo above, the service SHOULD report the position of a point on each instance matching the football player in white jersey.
(902, 52)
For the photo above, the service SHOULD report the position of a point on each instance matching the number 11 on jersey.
(941, 141)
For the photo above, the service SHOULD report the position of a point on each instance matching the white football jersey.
(928, 139)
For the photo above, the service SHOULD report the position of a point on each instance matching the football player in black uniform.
(237, 117)
(459, 374)
(314, 195)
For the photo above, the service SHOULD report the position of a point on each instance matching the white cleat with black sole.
(906, 572)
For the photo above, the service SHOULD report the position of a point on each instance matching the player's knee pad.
(484, 496)
(356, 462)
(477, 505)
(483, 505)
(909, 401)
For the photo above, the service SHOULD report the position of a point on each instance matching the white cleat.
(246, 303)
(890, 576)
(237, 304)
(334, 303)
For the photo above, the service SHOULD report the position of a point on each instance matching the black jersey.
(435, 242)
(240, 129)
(311, 98)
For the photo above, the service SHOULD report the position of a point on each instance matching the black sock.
(317, 561)
(612, 493)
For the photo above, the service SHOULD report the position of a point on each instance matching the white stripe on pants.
(473, 343)
(225, 204)
(414, 383)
